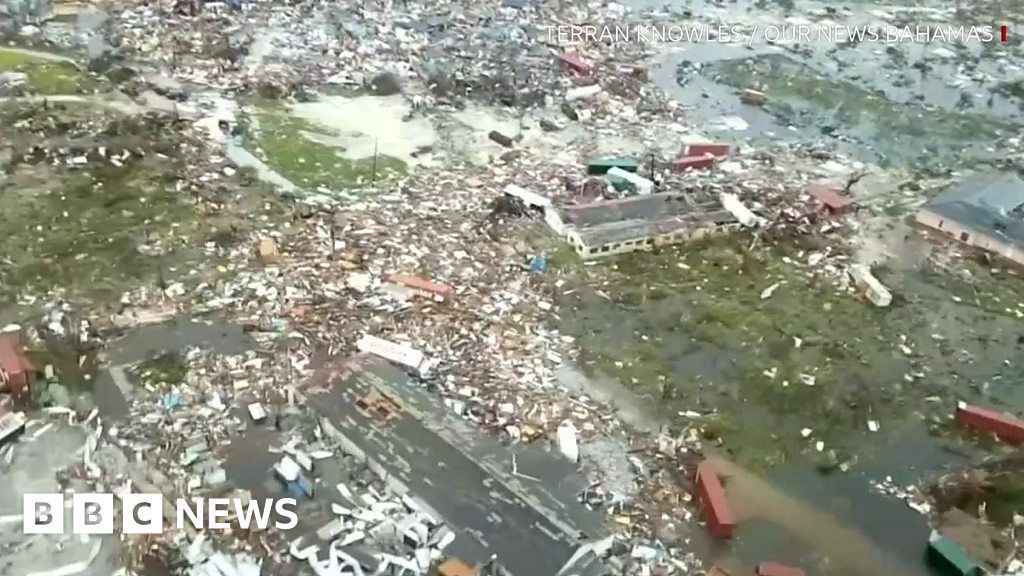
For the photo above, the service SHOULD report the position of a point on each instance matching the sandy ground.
(367, 123)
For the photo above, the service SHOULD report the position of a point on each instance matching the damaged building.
(985, 211)
(640, 223)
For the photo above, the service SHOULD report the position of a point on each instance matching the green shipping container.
(951, 559)
(602, 165)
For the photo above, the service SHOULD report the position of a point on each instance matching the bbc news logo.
(141, 513)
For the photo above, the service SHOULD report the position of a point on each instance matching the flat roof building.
(985, 211)
(639, 223)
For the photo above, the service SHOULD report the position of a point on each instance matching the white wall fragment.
(568, 440)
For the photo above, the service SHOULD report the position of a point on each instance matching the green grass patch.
(96, 233)
(283, 142)
(86, 233)
(47, 77)
(166, 370)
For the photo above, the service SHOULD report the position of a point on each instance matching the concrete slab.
(32, 470)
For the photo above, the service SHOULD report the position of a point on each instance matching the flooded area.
(929, 106)
(201, 204)
(772, 378)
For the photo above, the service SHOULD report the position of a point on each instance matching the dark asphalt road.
(492, 512)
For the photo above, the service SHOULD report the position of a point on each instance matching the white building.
(636, 223)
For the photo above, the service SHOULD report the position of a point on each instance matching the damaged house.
(985, 211)
(639, 223)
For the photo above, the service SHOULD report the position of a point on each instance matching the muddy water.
(779, 525)
(145, 342)
(900, 103)
(657, 327)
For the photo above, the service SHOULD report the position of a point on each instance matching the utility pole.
(330, 226)
(373, 177)
(161, 282)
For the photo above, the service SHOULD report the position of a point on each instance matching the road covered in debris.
(516, 287)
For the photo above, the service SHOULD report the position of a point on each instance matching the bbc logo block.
(143, 513)
(91, 513)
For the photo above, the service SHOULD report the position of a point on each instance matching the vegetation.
(687, 326)
(47, 77)
(287, 144)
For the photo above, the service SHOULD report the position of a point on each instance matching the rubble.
(754, 97)
(11, 425)
(475, 316)
(573, 61)
(874, 290)
(268, 251)
(423, 287)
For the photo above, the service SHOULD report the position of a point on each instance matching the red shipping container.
(701, 149)
(776, 569)
(422, 285)
(711, 496)
(694, 163)
(1006, 427)
(832, 199)
(573, 61)
(16, 371)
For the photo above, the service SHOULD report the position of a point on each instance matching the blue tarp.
(171, 400)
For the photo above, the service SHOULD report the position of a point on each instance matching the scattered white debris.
(732, 203)
(568, 440)
(257, 412)
(397, 353)
(359, 281)
(875, 291)
(767, 292)
(582, 92)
